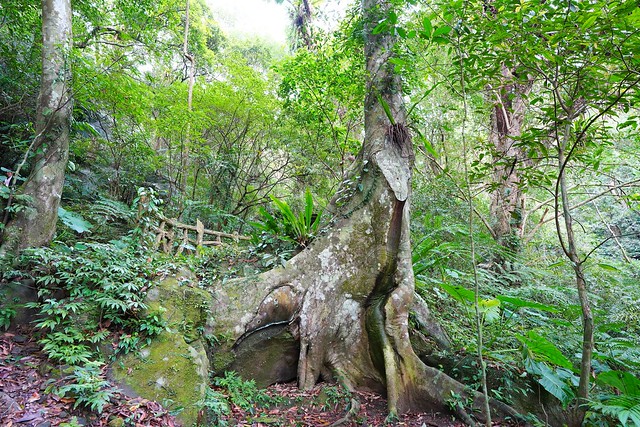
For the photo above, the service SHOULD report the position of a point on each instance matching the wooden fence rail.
(171, 231)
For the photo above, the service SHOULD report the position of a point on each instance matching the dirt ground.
(25, 401)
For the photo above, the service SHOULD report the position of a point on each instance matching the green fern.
(88, 385)
(106, 210)
(626, 408)
(301, 228)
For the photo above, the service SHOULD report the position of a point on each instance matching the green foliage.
(216, 407)
(489, 308)
(298, 229)
(625, 408)
(244, 394)
(72, 423)
(87, 292)
(624, 404)
(7, 313)
(88, 386)
(539, 348)
(623, 381)
(335, 397)
(147, 205)
(322, 91)
(104, 210)
(559, 382)
(74, 221)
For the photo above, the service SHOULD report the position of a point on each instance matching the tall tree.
(35, 225)
(339, 309)
(507, 118)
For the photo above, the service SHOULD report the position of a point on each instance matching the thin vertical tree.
(191, 65)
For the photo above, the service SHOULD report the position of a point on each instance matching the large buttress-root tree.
(339, 309)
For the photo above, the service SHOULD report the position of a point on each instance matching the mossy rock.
(170, 371)
(174, 369)
(183, 305)
(267, 356)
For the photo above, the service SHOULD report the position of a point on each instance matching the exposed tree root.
(345, 299)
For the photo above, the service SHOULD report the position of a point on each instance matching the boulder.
(173, 369)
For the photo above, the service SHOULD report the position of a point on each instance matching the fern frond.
(106, 210)
(626, 408)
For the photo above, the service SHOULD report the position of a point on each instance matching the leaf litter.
(25, 401)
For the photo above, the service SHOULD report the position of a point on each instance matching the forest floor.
(26, 401)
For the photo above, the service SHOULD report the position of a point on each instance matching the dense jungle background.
(143, 147)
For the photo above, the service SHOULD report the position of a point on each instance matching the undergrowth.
(90, 306)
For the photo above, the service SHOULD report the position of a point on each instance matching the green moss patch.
(174, 368)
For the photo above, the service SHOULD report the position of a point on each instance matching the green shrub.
(87, 293)
(216, 406)
(245, 394)
(621, 399)
(88, 386)
(300, 229)
(284, 233)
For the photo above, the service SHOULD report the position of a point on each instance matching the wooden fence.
(188, 237)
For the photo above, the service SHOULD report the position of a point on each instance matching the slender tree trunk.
(187, 138)
(571, 252)
(36, 224)
(507, 198)
(339, 309)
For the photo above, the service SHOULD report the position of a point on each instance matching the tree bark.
(35, 225)
(339, 309)
(507, 198)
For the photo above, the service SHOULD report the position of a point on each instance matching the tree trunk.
(36, 224)
(571, 251)
(507, 197)
(186, 145)
(339, 309)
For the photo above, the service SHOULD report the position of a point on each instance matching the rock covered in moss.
(174, 368)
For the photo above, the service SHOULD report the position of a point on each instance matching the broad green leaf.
(397, 61)
(387, 110)
(608, 267)
(427, 146)
(623, 381)
(74, 221)
(588, 23)
(308, 208)
(81, 126)
(428, 28)
(440, 31)
(539, 348)
(490, 308)
(382, 27)
(554, 381)
(459, 293)
(392, 17)
(521, 303)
